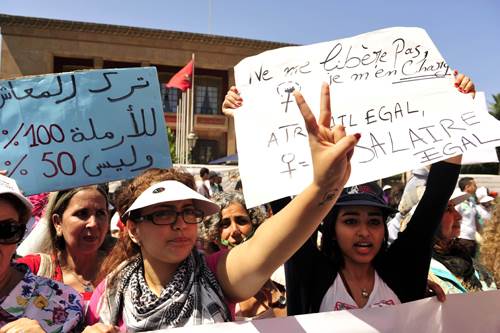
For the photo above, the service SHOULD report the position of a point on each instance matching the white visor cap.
(172, 190)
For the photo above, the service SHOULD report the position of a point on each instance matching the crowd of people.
(179, 252)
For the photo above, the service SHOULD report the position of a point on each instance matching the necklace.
(364, 291)
(87, 285)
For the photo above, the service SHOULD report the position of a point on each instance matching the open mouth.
(363, 244)
(363, 247)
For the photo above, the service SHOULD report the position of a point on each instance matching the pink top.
(92, 316)
(212, 260)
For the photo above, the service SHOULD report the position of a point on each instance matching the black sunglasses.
(11, 231)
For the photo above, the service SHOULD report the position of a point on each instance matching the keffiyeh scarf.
(457, 260)
(192, 297)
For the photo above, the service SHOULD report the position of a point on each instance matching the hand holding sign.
(331, 150)
(464, 84)
(231, 102)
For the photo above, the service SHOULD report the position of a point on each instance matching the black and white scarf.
(192, 297)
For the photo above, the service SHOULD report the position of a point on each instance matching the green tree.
(495, 106)
(171, 144)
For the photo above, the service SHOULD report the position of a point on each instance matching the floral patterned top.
(56, 307)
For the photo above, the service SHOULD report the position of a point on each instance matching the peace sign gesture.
(331, 149)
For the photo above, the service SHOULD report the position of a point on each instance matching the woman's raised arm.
(246, 267)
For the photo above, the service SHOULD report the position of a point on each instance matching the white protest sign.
(426, 315)
(482, 155)
(391, 85)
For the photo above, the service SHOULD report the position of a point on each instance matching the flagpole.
(181, 100)
(186, 125)
(183, 134)
(183, 126)
(183, 80)
(178, 130)
(192, 96)
(190, 112)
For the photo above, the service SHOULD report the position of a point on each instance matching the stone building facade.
(33, 46)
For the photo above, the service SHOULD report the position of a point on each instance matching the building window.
(62, 64)
(170, 98)
(209, 88)
(207, 94)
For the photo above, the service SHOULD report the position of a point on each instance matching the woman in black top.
(403, 267)
(354, 244)
(353, 267)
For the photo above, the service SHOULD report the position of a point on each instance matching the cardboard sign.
(59, 131)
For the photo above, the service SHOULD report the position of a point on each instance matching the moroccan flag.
(182, 80)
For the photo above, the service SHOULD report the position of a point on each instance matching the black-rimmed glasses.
(167, 216)
(11, 231)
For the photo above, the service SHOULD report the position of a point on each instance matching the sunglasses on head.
(11, 231)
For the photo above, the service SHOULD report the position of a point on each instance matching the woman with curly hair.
(233, 225)
(226, 232)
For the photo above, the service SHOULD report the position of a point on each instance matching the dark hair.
(22, 210)
(329, 245)
(463, 182)
(203, 172)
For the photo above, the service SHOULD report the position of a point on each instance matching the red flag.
(182, 80)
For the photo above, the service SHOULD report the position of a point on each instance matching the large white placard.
(391, 85)
(474, 312)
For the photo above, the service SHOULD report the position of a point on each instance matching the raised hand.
(231, 102)
(331, 149)
(464, 84)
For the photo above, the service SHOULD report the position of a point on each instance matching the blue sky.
(466, 32)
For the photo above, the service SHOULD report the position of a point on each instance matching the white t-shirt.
(469, 217)
(337, 297)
